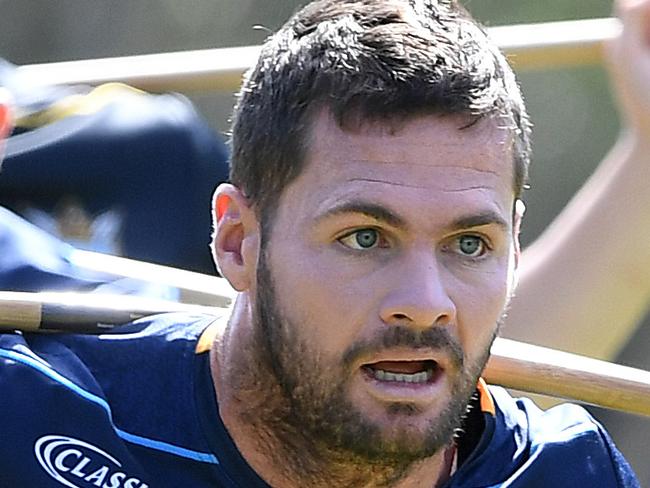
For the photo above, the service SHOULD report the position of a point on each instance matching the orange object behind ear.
(222, 205)
(5, 120)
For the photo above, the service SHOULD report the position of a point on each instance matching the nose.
(418, 295)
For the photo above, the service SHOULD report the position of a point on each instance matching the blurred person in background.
(33, 260)
(113, 169)
(585, 282)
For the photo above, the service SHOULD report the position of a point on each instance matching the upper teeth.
(421, 377)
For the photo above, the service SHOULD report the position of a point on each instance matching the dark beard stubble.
(298, 407)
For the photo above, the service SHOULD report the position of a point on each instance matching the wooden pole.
(81, 312)
(513, 364)
(528, 46)
(536, 369)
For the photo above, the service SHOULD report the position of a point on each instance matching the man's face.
(382, 279)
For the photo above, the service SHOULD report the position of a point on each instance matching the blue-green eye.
(361, 239)
(472, 246)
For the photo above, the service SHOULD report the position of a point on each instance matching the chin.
(403, 432)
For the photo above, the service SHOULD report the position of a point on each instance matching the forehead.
(454, 138)
(431, 162)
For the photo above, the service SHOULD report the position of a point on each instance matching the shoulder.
(78, 359)
(69, 396)
(81, 367)
(562, 422)
(564, 446)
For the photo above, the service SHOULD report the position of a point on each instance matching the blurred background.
(574, 116)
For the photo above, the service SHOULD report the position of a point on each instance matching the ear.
(513, 273)
(235, 241)
(5, 115)
(518, 215)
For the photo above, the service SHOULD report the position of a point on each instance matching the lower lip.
(401, 391)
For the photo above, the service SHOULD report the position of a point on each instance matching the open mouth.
(406, 372)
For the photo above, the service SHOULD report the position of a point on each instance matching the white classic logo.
(71, 461)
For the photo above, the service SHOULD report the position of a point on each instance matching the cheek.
(330, 306)
(479, 307)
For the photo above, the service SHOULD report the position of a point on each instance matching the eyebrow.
(372, 210)
(383, 214)
(479, 220)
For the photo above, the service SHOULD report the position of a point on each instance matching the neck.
(257, 415)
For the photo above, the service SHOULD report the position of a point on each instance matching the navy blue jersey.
(136, 408)
(113, 169)
(32, 260)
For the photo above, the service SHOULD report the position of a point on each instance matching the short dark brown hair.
(366, 60)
